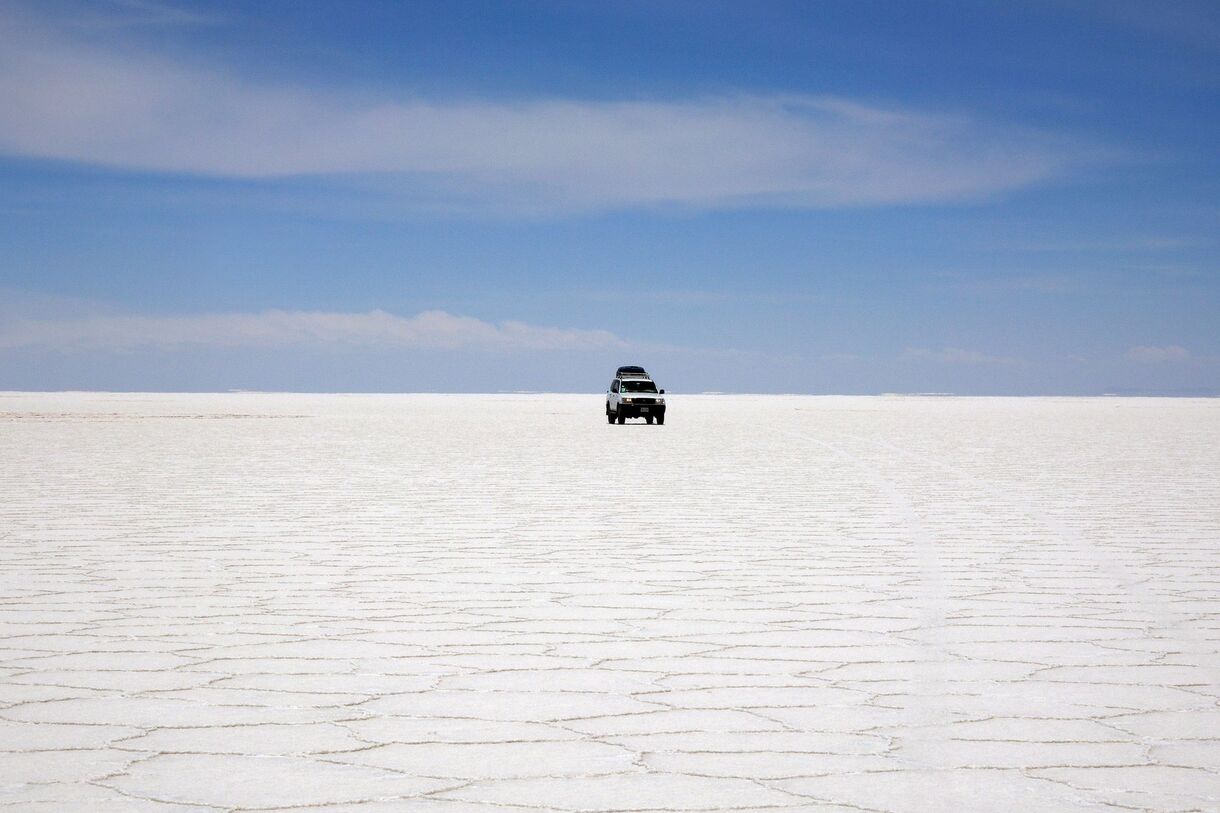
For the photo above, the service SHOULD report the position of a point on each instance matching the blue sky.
(824, 197)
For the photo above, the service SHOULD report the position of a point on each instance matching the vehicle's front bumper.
(641, 410)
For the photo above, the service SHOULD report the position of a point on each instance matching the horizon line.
(1112, 395)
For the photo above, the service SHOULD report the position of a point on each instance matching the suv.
(633, 394)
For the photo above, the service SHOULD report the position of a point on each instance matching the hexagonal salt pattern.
(451, 603)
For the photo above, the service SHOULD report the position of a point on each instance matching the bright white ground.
(498, 603)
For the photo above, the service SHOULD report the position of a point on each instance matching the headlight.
(626, 400)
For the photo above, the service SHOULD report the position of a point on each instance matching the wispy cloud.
(1113, 245)
(1150, 354)
(1036, 283)
(1190, 22)
(955, 355)
(430, 329)
(113, 14)
(64, 100)
(695, 297)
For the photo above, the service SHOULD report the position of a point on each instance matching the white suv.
(633, 394)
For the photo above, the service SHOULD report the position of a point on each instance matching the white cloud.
(60, 99)
(135, 13)
(955, 355)
(1148, 354)
(1036, 283)
(430, 329)
(1112, 245)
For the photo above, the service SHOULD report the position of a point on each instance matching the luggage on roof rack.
(631, 371)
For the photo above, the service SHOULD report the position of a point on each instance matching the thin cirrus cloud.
(277, 328)
(955, 355)
(1153, 354)
(64, 100)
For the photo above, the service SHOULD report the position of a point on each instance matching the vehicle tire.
(621, 417)
(660, 420)
(649, 419)
(609, 416)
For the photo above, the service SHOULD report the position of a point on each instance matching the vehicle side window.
(614, 386)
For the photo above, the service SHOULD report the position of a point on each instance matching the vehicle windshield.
(638, 386)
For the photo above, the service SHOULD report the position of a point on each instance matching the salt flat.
(449, 603)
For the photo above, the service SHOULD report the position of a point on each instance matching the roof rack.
(631, 372)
